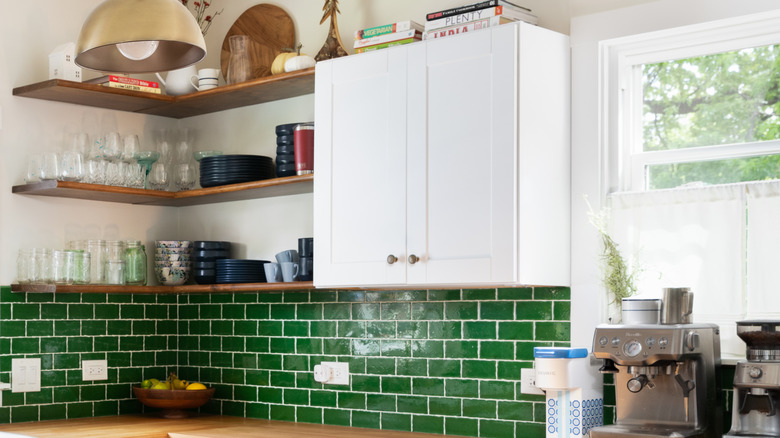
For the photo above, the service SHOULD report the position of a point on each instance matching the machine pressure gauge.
(632, 348)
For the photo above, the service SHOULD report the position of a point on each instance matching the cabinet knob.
(413, 259)
(391, 259)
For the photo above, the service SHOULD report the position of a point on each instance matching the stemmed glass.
(146, 159)
(112, 147)
(132, 146)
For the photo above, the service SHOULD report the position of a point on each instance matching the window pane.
(667, 176)
(724, 98)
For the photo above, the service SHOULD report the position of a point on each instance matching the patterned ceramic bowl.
(168, 264)
(173, 250)
(173, 243)
(172, 257)
(172, 276)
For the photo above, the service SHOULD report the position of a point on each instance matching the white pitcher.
(181, 81)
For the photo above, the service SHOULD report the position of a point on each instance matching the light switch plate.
(26, 375)
(94, 370)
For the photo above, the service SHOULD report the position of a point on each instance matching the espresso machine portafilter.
(667, 377)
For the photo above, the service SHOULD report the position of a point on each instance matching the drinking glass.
(114, 175)
(165, 149)
(184, 176)
(33, 168)
(96, 171)
(112, 147)
(183, 152)
(79, 142)
(71, 166)
(131, 147)
(159, 178)
(50, 167)
(134, 175)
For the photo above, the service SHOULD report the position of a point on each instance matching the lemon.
(196, 386)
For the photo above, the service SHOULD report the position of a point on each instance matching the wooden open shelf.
(291, 185)
(196, 288)
(256, 91)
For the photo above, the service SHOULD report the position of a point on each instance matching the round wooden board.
(270, 30)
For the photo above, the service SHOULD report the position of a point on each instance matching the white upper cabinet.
(445, 162)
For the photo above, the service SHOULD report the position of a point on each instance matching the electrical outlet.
(94, 370)
(528, 382)
(334, 373)
(26, 375)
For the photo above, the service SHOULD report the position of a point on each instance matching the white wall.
(588, 298)
(33, 28)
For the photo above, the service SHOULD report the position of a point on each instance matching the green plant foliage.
(718, 99)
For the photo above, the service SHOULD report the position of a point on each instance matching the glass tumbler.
(24, 268)
(62, 267)
(135, 263)
(81, 266)
(115, 272)
(239, 64)
(98, 254)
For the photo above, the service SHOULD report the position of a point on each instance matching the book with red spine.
(116, 79)
(472, 7)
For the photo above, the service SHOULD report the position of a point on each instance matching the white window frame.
(622, 88)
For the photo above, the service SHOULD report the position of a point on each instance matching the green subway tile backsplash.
(434, 361)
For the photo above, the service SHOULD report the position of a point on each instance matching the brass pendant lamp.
(140, 36)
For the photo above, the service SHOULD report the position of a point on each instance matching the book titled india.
(387, 28)
(466, 27)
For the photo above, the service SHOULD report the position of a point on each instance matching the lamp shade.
(169, 23)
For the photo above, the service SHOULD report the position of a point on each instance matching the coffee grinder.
(667, 375)
(757, 381)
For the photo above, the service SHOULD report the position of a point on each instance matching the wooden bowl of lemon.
(173, 402)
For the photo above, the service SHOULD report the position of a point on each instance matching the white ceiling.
(586, 7)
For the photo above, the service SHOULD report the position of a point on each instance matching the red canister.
(303, 138)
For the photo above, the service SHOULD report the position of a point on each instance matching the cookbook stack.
(388, 35)
(474, 16)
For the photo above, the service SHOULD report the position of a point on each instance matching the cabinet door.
(461, 144)
(360, 159)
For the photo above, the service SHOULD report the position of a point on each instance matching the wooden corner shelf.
(256, 91)
(189, 289)
(291, 185)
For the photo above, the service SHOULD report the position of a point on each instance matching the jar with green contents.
(135, 263)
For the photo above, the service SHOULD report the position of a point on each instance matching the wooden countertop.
(205, 426)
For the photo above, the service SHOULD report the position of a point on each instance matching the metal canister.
(678, 306)
(303, 138)
(641, 311)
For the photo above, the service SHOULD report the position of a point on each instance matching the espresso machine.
(757, 381)
(666, 374)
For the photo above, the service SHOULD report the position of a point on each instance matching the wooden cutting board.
(270, 30)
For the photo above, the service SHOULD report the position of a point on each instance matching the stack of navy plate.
(233, 169)
(205, 255)
(240, 271)
(285, 149)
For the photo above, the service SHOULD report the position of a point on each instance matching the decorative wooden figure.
(333, 47)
